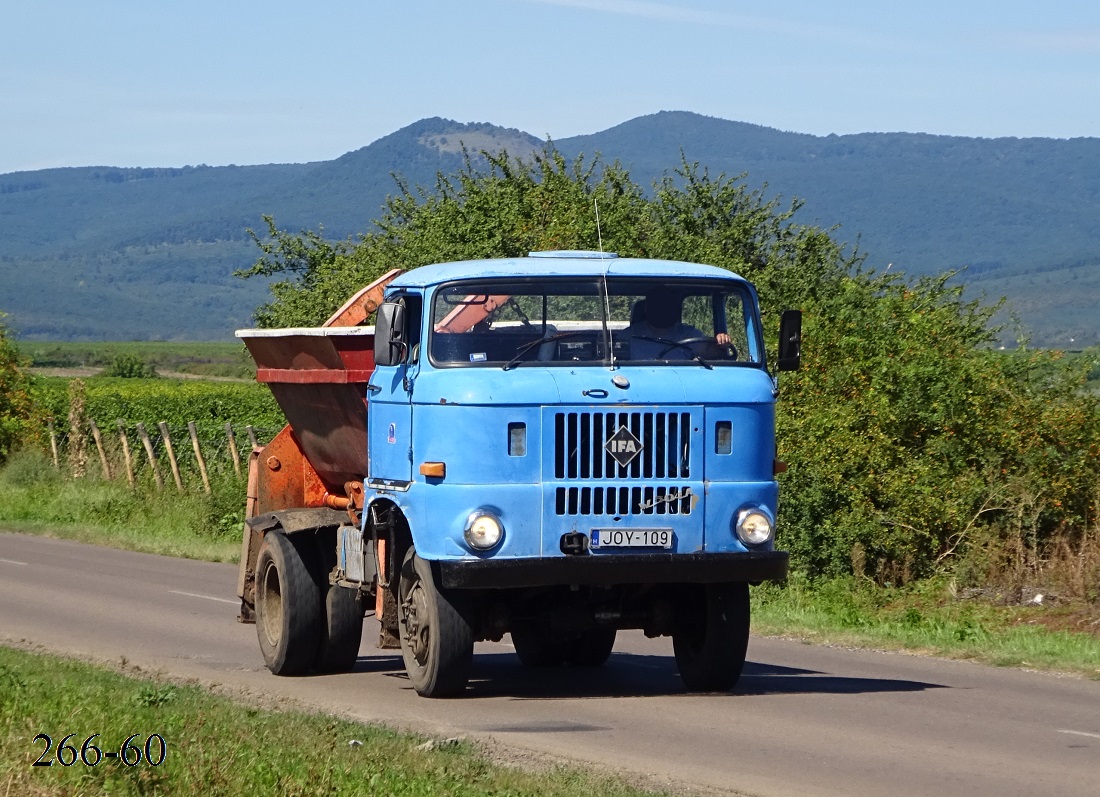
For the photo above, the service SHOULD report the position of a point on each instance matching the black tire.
(591, 648)
(288, 605)
(437, 642)
(714, 640)
(537, 648)
(342, 631)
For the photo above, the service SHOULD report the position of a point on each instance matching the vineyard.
(154, 431)
(150, 401)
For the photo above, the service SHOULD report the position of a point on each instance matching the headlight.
(754, 526)
(483, 530)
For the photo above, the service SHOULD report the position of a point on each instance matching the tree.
(16, 407)
(908, 437)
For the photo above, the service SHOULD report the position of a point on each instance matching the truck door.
(389, 415)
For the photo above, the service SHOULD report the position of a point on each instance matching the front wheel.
(713, 639)
(437, 642)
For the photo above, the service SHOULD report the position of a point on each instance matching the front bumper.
(647, 568)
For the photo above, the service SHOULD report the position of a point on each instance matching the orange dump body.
(318, 376)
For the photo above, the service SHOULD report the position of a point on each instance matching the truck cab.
(557, 447)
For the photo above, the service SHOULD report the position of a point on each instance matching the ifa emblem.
(623, 446)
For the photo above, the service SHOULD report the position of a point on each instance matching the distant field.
(198, 358)
(1055, 303)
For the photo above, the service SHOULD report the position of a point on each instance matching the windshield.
(575, 321)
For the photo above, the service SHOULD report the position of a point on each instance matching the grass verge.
(930, 617)
(215, 746)
(36, 499)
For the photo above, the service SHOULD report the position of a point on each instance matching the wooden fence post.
(99, 447)
(171, 454)
(145, 441)
(252, 436)
(126, 452)
(233, 454)
(53, 445)
(198, 456)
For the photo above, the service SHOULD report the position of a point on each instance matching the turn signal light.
(434, 470)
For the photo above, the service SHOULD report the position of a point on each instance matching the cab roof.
(560, 263)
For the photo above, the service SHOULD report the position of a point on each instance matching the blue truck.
(555, 447)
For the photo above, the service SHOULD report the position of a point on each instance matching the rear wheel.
(288, 605)
(342, 631)
(591, 648)
(714, 637)
(537, 648)
(437, 642)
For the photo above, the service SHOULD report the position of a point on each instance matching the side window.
(414, 311)
(737, 327)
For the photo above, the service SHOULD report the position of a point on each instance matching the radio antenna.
(599, 232)
(606, 296)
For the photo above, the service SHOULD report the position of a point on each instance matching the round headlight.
(483, 530)
(754, 527)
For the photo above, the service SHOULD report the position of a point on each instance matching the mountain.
(110, 253)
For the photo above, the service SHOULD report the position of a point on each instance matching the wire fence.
(184, 457)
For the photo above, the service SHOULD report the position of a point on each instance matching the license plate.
(631, 538)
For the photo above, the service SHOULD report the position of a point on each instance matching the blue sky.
(149, 83)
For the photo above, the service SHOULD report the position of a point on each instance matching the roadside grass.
(216, 746)
(36, 499)
(931, 618)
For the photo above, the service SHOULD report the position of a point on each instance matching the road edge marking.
(204, 597)
(1081, 733)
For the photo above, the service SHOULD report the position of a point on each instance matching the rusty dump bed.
(318, 376)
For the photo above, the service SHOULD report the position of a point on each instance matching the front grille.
(579, 439)
(623, 500)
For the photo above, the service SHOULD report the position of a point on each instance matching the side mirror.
(390, 335)
(790, 341)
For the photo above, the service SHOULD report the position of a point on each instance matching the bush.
(29, 468)
(17, 415)
(129, 366)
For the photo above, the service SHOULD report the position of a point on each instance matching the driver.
(655, 324)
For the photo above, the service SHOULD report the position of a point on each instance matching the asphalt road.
(804, 720)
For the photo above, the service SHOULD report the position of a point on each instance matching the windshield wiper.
(676, 344)
(526, 347)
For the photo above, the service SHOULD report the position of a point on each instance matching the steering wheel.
(684, 344)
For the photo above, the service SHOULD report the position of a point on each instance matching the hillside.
(109, 253)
